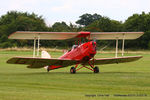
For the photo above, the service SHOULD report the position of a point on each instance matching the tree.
(60, 27)
(87, 19)
(104, 24)
(23, 21)
(19, 21)
(74, 28)
(139, 22)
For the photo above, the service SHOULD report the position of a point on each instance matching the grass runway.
(128, 81)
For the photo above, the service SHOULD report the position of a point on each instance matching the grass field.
(126, 81)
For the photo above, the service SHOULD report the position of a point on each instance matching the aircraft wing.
(69, 35)
(40, 62)
(117, 60)
(115, 35)
(29, 35)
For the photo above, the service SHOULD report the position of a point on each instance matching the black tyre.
(72, 70)
(48, 69)
(96, 69)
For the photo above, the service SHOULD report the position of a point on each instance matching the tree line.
(23, 21)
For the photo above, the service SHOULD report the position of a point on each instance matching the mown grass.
(19, 83)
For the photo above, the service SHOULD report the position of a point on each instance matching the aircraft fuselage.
(83, 53)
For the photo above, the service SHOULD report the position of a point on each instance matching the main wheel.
(48, 69)
(96, 69)
(72, 70)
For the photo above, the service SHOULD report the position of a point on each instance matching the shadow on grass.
(68, 73)
(46, 73)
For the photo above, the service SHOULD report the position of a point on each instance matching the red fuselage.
(85, 51)
(82, 53)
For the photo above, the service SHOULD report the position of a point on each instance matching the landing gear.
(72, 70)
(96, 69)
(48, 69)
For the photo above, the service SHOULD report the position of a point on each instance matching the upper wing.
(115, 60)
(69, 35)
(115, 35)
(42, 35)
(41, 62)
(47, 35)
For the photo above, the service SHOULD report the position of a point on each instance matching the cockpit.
(74, 46)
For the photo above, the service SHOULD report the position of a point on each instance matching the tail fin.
(45, 54)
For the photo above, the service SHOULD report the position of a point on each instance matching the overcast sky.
(70, 10)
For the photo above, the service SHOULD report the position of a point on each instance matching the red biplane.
(81, 53)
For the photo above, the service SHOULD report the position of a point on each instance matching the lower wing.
(41, 62)
(117, 60)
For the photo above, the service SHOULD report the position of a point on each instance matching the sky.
(70, 10)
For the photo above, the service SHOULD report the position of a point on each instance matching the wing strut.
(38, 46)
(116, 55)
(34, 47)
(123, 40)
